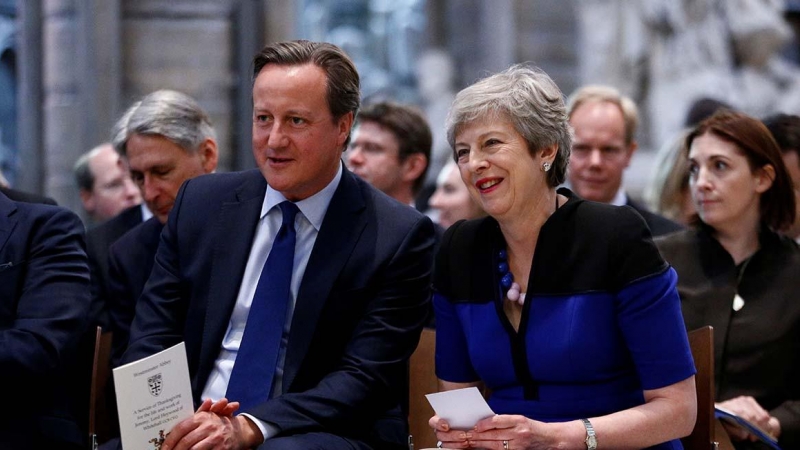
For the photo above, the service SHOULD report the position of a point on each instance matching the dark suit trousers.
(319, 441)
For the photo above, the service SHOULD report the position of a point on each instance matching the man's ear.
(209, 155)
(88, 200)
(629, 151)
(765, 176)
(345, 124)
(413, 166)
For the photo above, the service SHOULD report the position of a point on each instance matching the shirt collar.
(621, 199)
(313, 208)
(146, 214)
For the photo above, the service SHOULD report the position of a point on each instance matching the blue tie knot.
(289, 210)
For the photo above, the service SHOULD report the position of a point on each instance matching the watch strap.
(591, 438)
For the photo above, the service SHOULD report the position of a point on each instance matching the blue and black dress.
(601, 322)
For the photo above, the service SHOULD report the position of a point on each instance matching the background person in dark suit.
(360, 275)
(390, 149)
(44, 298)
(605, 124)
(166, 138)
(104, 183)
(98, 241)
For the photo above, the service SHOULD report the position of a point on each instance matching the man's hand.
(214, 427)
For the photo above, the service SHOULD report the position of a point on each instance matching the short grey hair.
(599, 93)
(170, 114)
(530, 100)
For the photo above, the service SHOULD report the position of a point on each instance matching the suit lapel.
(343, 224)
(233, 237)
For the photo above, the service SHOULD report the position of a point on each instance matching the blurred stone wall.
(82, 62)
(85, 61)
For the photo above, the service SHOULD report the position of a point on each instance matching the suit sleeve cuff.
(268, 430)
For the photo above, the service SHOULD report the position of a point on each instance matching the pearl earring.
(546, 166)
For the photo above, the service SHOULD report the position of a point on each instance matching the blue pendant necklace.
(507, 285)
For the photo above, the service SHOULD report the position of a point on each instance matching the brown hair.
(760, 149)
(409, 127)
(785, 128)
(343, 88)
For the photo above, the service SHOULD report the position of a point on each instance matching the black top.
(756, 349)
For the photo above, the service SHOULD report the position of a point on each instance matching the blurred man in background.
(105, 185)
(605, 125)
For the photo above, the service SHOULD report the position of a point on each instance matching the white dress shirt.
(621, 199)
(307, 225)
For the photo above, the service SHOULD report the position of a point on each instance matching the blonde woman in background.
(668, 192)
(452, 198)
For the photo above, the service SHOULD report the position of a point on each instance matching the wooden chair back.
(422, 380)
(708, 432)
(99, 416)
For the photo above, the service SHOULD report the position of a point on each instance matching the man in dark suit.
(390, 149)
(165, 129)
(98, 241)
(44, 298)
(357, 293)
(605, 124)
(104, 183)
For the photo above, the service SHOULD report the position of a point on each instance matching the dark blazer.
(98, 241)
(756, 349)
(129, 265)
(44, 299)
(357, 318)
(659, 225)
(27, 197)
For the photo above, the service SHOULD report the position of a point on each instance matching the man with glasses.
(605, 124)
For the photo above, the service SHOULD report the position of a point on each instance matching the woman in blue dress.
(561, 309)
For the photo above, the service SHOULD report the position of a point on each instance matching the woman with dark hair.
(562, 308)
(738, 275)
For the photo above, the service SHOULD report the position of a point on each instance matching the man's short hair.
(169, 114)
(84, 177)
(343, 85)
(598, 93)
(785, 128)
(409, 127)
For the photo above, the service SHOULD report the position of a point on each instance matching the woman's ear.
(765, 176)
(549, 153)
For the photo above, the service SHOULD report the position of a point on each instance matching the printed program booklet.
(153, 394)
(734, 419)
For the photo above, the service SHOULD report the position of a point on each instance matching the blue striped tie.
(254, 368)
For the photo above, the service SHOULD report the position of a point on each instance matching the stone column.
(187, 46)
(65, 106)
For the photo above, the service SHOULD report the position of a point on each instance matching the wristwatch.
(591, 439)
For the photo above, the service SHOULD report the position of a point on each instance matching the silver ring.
(439, 444)
(505, 445)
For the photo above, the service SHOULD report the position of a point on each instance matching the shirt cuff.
(268, 430)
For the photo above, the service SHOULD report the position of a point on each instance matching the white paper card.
(461, 408)
(153, 394)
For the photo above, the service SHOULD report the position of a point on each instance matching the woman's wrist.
(569, 435)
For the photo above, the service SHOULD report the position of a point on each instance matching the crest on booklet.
(154, 383)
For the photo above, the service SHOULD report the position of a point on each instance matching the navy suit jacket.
(98, 242)
(659, 225)
(130, 261)
(27, 197)
(358, 313)
(44, 301)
